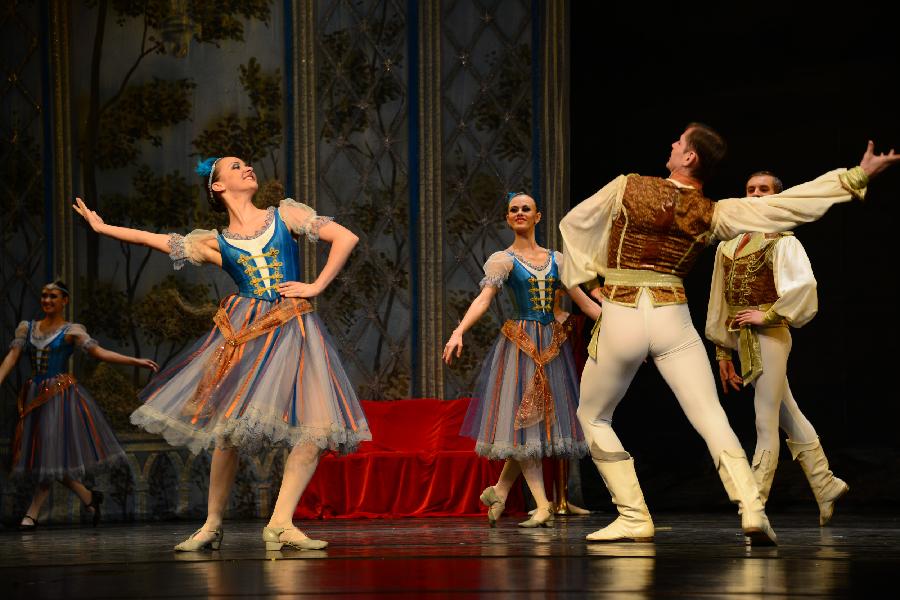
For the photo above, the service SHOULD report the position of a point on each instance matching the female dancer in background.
(62, 433)
(527, 393)
(265, 373)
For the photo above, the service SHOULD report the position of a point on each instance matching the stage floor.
(694, 555)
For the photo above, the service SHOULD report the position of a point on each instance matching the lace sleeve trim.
(178, 252)
(86, 345)
(492, 281)
(312, 227)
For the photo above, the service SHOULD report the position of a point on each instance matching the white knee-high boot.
(734, 470)
(825, 486)
(634, 522)
(764, 465)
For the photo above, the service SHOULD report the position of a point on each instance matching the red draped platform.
(416, 465)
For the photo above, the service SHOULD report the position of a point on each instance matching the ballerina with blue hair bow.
(267, 372)
(527, 393)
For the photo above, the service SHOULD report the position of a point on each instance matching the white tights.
(627, 335)
(774, 404)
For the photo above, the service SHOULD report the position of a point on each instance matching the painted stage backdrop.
(407, 121)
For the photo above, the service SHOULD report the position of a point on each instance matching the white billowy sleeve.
(717, 311)
(20, 337)
(585, 233)
(186, 248)
(496, 270)
(798, 301)
(559, 258)
(302, 219)
(794, 206)
(564, 301)
(80, 337)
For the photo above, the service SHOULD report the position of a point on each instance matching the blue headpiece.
(205, 168)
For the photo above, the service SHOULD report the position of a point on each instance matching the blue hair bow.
(205, 167)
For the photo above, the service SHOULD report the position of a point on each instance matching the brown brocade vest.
(659, 227)
(749, 274)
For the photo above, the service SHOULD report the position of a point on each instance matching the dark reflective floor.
(694, 556)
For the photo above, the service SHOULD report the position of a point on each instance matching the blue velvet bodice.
(53, 358)
(533, 302)
(257, 275)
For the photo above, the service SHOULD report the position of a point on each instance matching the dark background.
(796, 89)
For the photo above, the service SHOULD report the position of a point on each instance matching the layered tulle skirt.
(250, 385)
(525, 408)
(62, 432)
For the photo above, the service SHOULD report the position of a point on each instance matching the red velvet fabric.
(416, 465)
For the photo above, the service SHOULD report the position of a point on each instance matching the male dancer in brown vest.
(643, 235)
(762, 284)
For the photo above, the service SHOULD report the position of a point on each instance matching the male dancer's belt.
(748, 341)
(641, 278)
(631, 278)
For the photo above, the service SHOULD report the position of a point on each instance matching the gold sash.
(748, 342)
(641, 278)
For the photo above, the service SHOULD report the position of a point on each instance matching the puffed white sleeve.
(585, 234)
(717, 310)
(794, 206)
(20, 336)
(795, 283)
(559, 258)
(496, 270)
(302, 219)
(186, 248)
(83, 340)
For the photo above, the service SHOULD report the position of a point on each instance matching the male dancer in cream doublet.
(643, 235)
(762, 283)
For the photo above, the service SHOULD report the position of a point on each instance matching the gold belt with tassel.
(748, 342)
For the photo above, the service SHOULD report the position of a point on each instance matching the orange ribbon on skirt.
(222, 361)
(48, 389)
(537, 401)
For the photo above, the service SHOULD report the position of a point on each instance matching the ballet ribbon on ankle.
(537, 401)
(48, 390)
(231, 349)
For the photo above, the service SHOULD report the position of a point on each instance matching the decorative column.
(431, 220)
(303, 113)
(555, 117)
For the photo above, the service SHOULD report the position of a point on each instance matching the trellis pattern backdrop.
(406, 120)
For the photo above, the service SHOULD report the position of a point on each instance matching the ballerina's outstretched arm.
(207, 250)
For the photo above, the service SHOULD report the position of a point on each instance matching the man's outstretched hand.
(873, 164)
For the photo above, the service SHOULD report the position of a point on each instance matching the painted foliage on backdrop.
(487, 108)
(22, 135)
(165, 81)
(363, 180)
